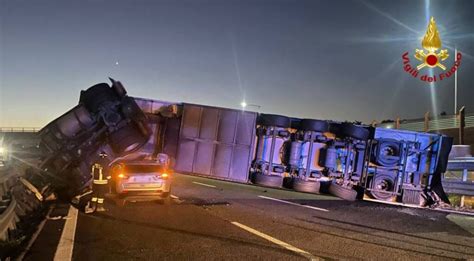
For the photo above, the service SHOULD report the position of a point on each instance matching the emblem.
(431, 43)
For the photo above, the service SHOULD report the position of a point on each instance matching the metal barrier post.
(464, 179)
(427, 122)
(272, 150)
(310, 154)
(462, 124)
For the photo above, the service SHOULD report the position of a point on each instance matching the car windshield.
(143, 168)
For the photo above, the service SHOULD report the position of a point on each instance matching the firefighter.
(100, 176)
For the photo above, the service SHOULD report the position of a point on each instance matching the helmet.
(102, 154)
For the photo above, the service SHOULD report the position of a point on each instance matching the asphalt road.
(212, 219)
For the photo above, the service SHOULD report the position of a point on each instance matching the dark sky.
(319, 59)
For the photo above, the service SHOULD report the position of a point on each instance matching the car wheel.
(314, 125)
(274, 181)
(96, 95)
(306, 186)
(355, 132)
(274, 120)
(166, 198)
(120, 202)
(343, 192)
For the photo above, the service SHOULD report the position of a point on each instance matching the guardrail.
(8, 220)
(19, 129)
(456, 179)
(8, 217)
(459, 187)
(438, 123)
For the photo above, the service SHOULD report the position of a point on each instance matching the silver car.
(141, 180)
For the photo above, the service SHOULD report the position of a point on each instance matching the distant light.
(243, 104)
(2, 150)
(116, 63)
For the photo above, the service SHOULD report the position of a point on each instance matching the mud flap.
(436, 185)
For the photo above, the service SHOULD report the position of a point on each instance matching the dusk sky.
(338, 60)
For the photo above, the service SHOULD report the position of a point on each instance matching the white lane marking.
(174, 197)
(66, 243)
(34, 236)
(276, 241)
(203, 184)
(294, 204)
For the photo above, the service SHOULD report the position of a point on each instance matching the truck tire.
(382, 182)
(314, 125)
(274, 181)
(335, 128)
(343, 192)
(387, 153)
(355, 132)
(97, 95)
(301, 185)
(127, 139)
(295, 123)
(274, 120)
(288, 182)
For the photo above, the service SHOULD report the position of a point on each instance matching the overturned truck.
(315, 156)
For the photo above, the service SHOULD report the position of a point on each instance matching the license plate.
(142, 179)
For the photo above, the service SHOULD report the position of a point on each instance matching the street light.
(244, 105)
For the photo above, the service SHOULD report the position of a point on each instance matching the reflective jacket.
(99, 174)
